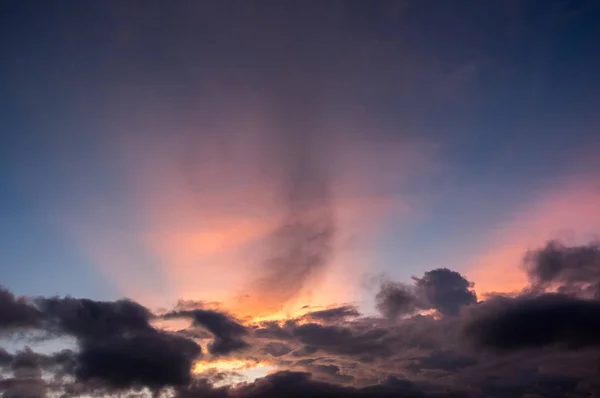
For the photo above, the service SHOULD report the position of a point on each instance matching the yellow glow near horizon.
(247, 370)
(226, 364)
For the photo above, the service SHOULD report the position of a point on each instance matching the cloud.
(445, 290)
(394, 299)
(333, 315)
(277, 349)
(446, 360)
(573, 270)
(228, 334)
(117, 346)
(151, 359)
(535, 342)
(16, 313)
(296, 384)
(537, 318)
(441, 289)
(27, 377)
(535, 322)
(333, 339)
(5, 357)
(90, 320)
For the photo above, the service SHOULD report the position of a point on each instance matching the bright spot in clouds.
(245, 370)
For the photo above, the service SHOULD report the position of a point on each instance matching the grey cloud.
(535, 343)
(445, 290)
(90, 320)
(573, 270)
(16, 313)
(228, 334)
(536, 322)
(395, 299)
(154, 359)
(26, 381)
(277, 349)
(297, 385)
(333, 315)
(118, 346)
(441, 289)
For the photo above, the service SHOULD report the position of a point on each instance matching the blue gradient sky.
(123, 123)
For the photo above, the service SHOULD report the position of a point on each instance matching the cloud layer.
(434, 339)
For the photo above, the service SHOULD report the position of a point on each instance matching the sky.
(240, 184)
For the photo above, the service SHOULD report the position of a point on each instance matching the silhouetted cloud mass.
(443, 290)
(300, 385)
(571, 270)
(228, 334)
(395, 299)
(539, 321)
(434, 340)
(16, 313)
(90, 320)
(333, 314)
(152, 359)
(26, 380)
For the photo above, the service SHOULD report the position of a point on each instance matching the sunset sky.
(247, 173)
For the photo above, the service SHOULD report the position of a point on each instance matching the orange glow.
(200, 206)
(231, 365)
(246, 370)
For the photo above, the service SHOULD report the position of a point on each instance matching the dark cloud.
(26, 365)
(296, 384)
(5, 357)
(273, 330)
(26, 381)
(118, 347)
(153, 359)
(228, 334)
(441, 289)
(342, 340)
(445, 360)
(535, 343)
(445, 290)
(572, 270)
(16, 312)
(396, 299)
(333, 314)
(535, 322)
(90, 320)
(330, 373)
